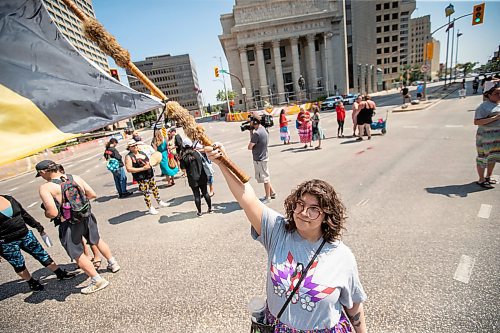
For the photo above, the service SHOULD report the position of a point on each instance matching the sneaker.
(163, 203)
(265, 200)
(359, 139)
(210, 211)
(67, 275)
(95, 286)
(153, 211)
(35, 285)
(114, 267)
(199, 214)
(273, 195)
(124, 195)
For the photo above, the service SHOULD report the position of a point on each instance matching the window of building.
(386, 49)
(379, 18)
(387, 17)
(394, 27)
(387, 5)
(251, 55)
(282, 52)
(379, 51)
(395, 4)
(386, 39)
(379, 61)
(394, 59)
(379, 6)
(395, 16)
(386, 28)
(395, 38)
(394, 48)
(394, 70)
(267, 54)
(379, 29)
(379, 40)
(405, 13)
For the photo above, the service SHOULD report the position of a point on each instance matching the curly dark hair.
(335, 212)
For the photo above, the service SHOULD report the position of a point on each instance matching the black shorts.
(419, 95)
(71, 236)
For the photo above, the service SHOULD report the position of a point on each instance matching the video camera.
(265, 120)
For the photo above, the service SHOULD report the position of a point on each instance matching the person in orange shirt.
(340, 110)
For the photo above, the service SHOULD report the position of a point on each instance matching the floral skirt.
(284, 134)
(488, 145)
(305, 133)
(343, 326)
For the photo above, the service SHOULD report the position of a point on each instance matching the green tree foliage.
(467, 67)
(221, 96)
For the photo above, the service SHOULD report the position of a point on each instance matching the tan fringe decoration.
(107, 43)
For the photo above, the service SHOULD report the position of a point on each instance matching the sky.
(154, 27)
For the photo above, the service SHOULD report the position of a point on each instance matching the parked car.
(331, 102)
(350, 98)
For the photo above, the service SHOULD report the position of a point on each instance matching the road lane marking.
(34, 203)
(464, 269)
(362, 202)
(13, 189)
(484, 211)
(90, 157)
(34, 180)
(410, 126)
(454, 126)
(96, 166)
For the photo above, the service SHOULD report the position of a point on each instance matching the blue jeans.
(120, 181)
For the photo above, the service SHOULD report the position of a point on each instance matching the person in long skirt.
(284, 132)
(160, 144)
(305, 127)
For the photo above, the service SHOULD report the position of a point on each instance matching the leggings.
(197, 197)
(146, 185)
(11, 252)
(341, 127)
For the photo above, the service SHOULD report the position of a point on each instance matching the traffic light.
(216, 71)
(478, 14)
(114, 73)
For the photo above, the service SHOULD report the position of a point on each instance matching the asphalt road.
(426, 238)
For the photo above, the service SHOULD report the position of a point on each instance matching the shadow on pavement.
(180, 200)
(218, 208)
(126, 217)
(456, 190)
(53, 288)
(110, 197)
(176, 217)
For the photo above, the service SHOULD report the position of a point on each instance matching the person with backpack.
(115, 165)
(15, 236)
(137, 163)
(65, 199)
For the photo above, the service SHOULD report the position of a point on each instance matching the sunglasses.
(312, 212)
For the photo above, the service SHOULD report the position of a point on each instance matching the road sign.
(424, 68)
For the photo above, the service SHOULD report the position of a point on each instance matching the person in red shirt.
(340, 110)
(284, 132)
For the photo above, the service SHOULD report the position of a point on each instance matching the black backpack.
(75, 206)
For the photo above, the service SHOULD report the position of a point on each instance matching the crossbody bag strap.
(304, 273)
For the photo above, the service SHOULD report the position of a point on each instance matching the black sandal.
(486, 184)
(489, 180)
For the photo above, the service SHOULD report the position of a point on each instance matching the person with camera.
(259, 139)
(305, 255)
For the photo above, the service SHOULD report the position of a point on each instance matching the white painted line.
(34, 203)
(410, 126)
(34, 180)
(362, 202)
(454, 126)
(13, 189)
(484, 211)
(89, 158)
(464, 269)
(96, 166)
(68, 165)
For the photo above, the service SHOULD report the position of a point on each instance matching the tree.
(221, 96)
(467, 67)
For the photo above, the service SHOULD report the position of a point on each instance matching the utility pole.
(452, 48)
(456, 54)
(448, 12)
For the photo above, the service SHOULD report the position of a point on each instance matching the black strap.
(304, 273)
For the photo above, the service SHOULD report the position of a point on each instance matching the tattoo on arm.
(355, 319)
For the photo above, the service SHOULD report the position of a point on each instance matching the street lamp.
(456, 55)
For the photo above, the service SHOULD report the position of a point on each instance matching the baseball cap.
(43, 165)
(186, 142)
(131, 143)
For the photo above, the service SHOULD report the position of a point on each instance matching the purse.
(269, 328)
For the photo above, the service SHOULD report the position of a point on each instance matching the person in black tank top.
(365, 118)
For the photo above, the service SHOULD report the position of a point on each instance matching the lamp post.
(456, 54)
(224, 81)
(448, 11)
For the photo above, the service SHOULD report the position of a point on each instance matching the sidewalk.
(432, 99)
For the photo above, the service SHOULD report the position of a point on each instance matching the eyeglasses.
(312, 212)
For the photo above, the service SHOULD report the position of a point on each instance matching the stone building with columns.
(271, 44)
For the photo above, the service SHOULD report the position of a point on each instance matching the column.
(363, 79)
(369, 79)
(328, 72)
(261, 64)
(340, 63)
(296, 64)
(279, 71)
(374, 79)
(244, 69)
(313, 77)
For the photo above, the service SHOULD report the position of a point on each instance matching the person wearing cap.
(487, 118)
(137, 163)
(259, 139)
(15, 236)
(191, 161)
(71, 234)
(119, 175)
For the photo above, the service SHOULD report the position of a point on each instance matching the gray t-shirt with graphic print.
(331, 281)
